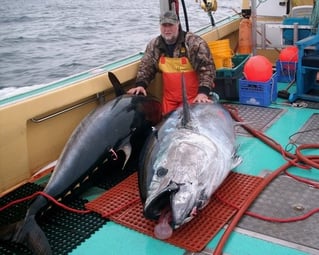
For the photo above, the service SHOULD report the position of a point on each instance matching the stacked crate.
(258, 93)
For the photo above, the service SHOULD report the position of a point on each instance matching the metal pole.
(254, 26)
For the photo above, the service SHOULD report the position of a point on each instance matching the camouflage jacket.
(197, 51)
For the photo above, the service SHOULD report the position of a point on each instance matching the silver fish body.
(185, 162)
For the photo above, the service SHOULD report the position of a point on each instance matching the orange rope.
(310, 160)
(52, 199)
(245, 206)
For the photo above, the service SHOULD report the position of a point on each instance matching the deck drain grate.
(122, 205)
(310, 104)
(309, 133)
(285, 198)
(259, 118)
(64, 230)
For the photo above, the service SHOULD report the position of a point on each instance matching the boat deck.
(284, 198)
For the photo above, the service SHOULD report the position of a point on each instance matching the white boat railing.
(270, 35)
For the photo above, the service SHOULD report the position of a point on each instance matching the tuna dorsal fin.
(116, 84)
(186, 114)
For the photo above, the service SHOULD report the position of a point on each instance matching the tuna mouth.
(153, 209)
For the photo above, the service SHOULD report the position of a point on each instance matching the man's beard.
(170, 40)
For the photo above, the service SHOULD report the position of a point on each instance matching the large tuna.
(120, 124)
(184, 161)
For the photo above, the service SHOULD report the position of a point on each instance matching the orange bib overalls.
(172, 70)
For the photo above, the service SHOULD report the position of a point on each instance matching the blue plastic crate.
(286, 71)
(258, 93)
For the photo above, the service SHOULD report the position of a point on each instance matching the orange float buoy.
(289, 54)
(258, 68)
(244, 37)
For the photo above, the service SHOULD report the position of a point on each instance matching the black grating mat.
(17, 212)
(309, 132)
(65, 230)
(259, 118)
(113, 178)
(285, 198)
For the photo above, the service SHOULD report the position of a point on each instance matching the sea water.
(45, 40)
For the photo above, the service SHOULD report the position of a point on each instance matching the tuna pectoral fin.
(127, 150)
(236, 161)
(30, 234)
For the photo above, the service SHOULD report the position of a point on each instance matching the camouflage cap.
(168, 17)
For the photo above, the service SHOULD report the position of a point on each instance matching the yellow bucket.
(222, 53)
(219, 44)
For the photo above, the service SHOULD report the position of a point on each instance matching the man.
(175, 53)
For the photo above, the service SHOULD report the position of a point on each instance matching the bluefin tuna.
(120, 124)
(184, 161)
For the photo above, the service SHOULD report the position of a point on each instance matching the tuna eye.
(161, 171)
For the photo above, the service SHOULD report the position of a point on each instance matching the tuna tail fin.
(116, 84)
(29, 233)
(186, 114)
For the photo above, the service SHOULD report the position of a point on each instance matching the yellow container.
(222, 53)
(219, 44)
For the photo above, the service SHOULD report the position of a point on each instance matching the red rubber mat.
(122, 204)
